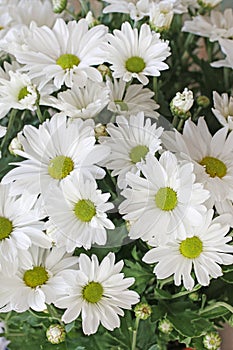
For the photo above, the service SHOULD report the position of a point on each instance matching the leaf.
(162, 294)
(154, 347)
(141, 274)
(69, 326)
(228, 277)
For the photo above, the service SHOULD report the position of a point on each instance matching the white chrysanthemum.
(225, 207)
(162, 202)
(182, 102)
(134, 54)
(137, 9)
(54, 151)
(161, 15)
(63, 54)
(214, 26)
(80, 215)
(223, 109)
(182, 6)
(38, 280)
(131, 100)
(211, 155)
(99, 292)
(130, 141)
(20, 227)
(227, 49)
(203, 250)
(81, 102)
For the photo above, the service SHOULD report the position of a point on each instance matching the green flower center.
(35, 277)
(191, 248)
(214, 167)
(5, 228)
(138, 153)
(123, 106)
(60, 166)
(166, 198)
(135, 64)
(67, 61)
(85, 210)
(23, 93)
(93, 292)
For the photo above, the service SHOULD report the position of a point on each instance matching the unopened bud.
(165, 326)
(59, 5)
(104, 70)
(194, 296)
(203, 101)
(142, 311)
(181, 103)
(14, 146)
(56, 334)
(100, 130)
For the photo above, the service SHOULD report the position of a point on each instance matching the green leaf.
(69, 326)
(162, 294)
(141, 274)
(228, 277)
(154, 347)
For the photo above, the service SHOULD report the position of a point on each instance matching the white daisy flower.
(161, 15)
(53, 152)
(38, 280)
(63, 54)
(130, 141)
(131, 100)
(227, 49)
(203, 250)
(20, 227)
(223, 109)
(99, 292)
(80, 215)
(137, 9)
(162, 202)
(214, 26)
(134, 54)
(81, 102)
(211, 155)
(225, 207)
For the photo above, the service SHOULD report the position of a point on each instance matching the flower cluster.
(117, 172)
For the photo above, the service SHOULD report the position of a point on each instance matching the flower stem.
(39, 114)
(135, 331)
(9, 127)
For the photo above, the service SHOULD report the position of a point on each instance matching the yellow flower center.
(166, 199)
(92, 292)
(68, 61)
(60, 166)
(5, 228)
(35, 277)
(85, 210)
(191, 248)
(23, 93)
(135, 64)
(138, 153)
(214, 167)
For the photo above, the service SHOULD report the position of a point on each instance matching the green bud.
(212, 341)
(194, 296)
(100, 130)
(56, 334)
(165, 326)
(142, 311)
(203, 101)
(59, 5)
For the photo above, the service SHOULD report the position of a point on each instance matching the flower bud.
(142, 311)
(208, 4)
(212, 341)
(59, 5)
(161, 16)
(165, 326)
(104, 70)
(56, 334)
(15, 145)
(181, 103)
(100, 130)
(203, 101)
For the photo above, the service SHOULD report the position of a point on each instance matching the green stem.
(180, 124)
(135, 331)
(9, 127)
(155, 88)
(180, 294)
(215, 305)
(39, 114)
(53, 313)
(175, 121)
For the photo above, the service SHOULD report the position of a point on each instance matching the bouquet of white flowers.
(116, 193)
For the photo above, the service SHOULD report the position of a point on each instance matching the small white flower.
(161, 15)
(137, 9)
(204, 249)
(99, 292)
(214, 26)
(130, 141)
(182, 102)
(20, 227)
(223, 109)
(80, 215)
(211, 155)
(227, 49)
(164, 200)
(81, 102)
(134, 54)
(53, 152)
(3, 130)
(212, 341)
(131, 100)
(38, 280)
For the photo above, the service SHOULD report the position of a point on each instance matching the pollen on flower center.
(135, 64)
(84, 210)
(23, 93)
(166, 198)
(60, 166)
(214, 167)
(35, 277)
(138, 153)
(67, 61)
(92, 292)
(5, 228)
(191, 248)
